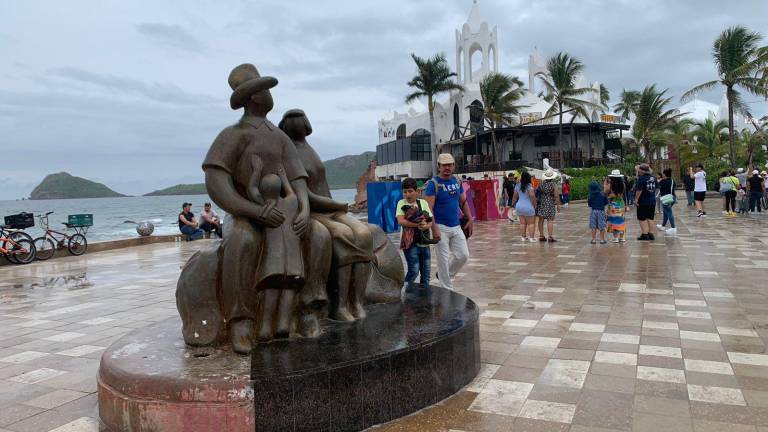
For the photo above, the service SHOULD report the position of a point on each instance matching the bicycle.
(48, 244)
(21, 251)
(12, 230)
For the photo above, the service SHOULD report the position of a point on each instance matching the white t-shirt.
(208, 216)
(700, 181)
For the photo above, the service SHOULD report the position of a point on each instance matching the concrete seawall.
(113, 244)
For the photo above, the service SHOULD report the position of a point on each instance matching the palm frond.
(690, 94)
(433, 76)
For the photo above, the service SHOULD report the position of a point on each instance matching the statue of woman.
(352, 249)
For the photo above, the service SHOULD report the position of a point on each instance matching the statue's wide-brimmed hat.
(245, 81)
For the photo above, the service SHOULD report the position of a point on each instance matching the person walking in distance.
(688, 183)
(597, 220)
(645, 198)
(549, 205)
(445, 195)
(756, 190)
(524, 201)
(667, 199)
(699, 177)
(729, 186)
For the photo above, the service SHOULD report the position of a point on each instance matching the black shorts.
(699, 196)
(646, 211)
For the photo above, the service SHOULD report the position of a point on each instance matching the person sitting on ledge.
(188, 224)
(211, 223)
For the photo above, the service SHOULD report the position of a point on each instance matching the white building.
(404, 137)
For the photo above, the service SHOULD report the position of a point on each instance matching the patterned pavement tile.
(578, 337)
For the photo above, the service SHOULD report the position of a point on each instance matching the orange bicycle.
(14, 242)
(19, 251)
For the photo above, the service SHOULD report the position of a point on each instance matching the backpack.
(724, 186)
(438, 185)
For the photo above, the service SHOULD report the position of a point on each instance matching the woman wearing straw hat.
(549, 205)
(614, 187)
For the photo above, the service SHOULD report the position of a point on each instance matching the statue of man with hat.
(258, 286)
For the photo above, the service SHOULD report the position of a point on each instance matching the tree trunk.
(730, 127)
(432, 137)
(560, 133)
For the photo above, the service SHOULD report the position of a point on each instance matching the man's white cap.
(740, 170)
(755, 172)
(445, 159)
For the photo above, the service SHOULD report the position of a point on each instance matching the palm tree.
(753, 143)
(605, 96)
(739, 60)
(679, 136)
(652, 118)
(710, 137)
(559, 80)
(627, 103)
(433, 77)
(500, 94)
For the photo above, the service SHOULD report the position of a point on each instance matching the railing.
(493, 166)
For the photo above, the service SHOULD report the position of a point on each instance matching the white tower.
(535, 65)
(475, 37)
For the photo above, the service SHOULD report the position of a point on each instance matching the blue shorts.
(597, 219)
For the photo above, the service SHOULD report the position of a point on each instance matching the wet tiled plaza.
(644, 336)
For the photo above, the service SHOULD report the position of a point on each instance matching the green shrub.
(580, 187)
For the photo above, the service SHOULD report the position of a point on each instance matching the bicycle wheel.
(45, 248)
(24, 251)
(19, 235)
(77, 244)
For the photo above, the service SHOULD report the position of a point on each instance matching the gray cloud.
(171, 35)
(158, 92)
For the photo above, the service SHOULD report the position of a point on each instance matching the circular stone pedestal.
(401, 358)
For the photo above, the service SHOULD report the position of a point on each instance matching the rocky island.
(181, 189)
(66, 186)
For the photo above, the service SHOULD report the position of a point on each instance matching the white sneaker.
(725, 212)
(615, 240)
(660, 227)
(671, 231)
(524, 239)
(532, 240)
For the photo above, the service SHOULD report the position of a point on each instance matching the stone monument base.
(403, 357)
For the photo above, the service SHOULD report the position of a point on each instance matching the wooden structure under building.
(582, 145)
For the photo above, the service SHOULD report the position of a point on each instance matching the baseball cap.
(755, 172)
(445, 158)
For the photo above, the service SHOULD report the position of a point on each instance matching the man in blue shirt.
(445, 196)
(645, 197)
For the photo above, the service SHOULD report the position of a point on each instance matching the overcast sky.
(132, 93)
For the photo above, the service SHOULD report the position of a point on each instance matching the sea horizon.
(114, 220)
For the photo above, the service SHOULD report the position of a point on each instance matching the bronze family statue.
(291, 255)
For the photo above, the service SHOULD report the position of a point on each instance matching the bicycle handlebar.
(49, 213)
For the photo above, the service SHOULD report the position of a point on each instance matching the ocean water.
(116, 218)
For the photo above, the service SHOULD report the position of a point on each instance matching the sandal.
(551, 240)
(542, 239)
